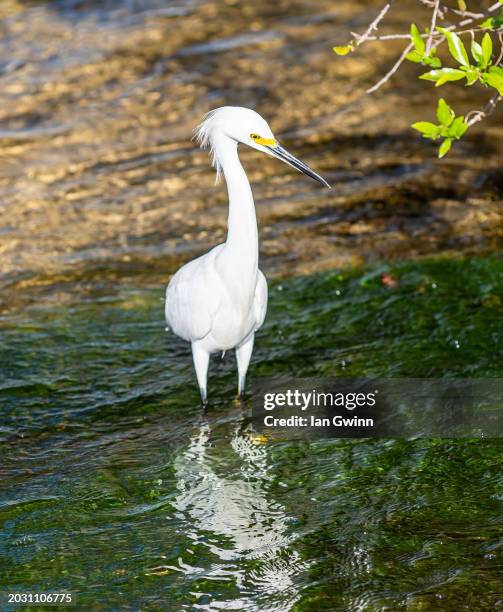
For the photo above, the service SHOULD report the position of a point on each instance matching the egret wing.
(192, 298)
(260, 302)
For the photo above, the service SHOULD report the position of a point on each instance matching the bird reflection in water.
(248, 524)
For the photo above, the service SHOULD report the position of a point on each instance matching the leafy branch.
(449, 127)
(480, 67)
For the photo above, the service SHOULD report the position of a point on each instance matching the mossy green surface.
(115, 486)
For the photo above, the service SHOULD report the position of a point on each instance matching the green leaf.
(417, 39)
(445, 114)
(471, 76)
(432, 62)
(487, 49)
(343, 50)
(456, 47)
(491, 23)
(443, 76)
(445, 147)
(458, 127)
(493, 79)
(414, 56)
(477, 54)
(427, 129)
(462, 5)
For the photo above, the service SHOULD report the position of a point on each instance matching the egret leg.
(201, 360)
(243, 356)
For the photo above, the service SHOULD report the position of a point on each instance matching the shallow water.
(99, 178)
(117, 487)
(113, 483)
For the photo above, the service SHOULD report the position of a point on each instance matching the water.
(99, 178)
(113, 483)
(116, 486)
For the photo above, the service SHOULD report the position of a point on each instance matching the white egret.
(219, 300)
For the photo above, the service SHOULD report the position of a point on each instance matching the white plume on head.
(202, 135)
(228, 124)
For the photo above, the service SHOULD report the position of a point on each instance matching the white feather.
(204, 134)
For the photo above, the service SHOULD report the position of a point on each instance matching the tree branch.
(384, 36)
(466, 13)
(436, 35)
(438, 11)
(360, 39)
(432, 27)
(478, 115)
(391, 72)
(433, 40)
(500, 36)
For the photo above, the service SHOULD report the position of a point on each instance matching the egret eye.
(264, 142)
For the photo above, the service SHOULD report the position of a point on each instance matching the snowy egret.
(219, 300)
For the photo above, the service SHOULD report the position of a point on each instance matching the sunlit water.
(99, 178)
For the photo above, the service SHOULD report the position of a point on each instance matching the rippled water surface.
(113, 483)
(116, 485)
(99, 178)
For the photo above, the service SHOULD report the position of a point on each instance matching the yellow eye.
(265, 142)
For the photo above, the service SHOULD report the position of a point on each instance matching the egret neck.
(240, 253)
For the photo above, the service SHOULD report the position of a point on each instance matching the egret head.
(243, 125)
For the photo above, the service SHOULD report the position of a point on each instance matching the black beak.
(283, 154)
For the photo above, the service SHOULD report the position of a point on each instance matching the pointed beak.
(278, 151)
